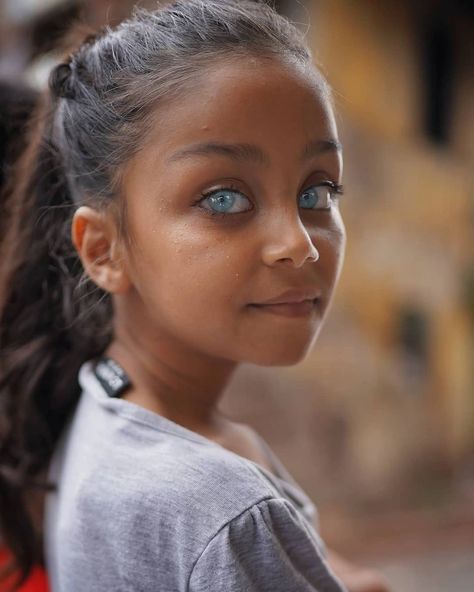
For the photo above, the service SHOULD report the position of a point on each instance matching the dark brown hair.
(91, 120)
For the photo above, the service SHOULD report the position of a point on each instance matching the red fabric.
(37, 582)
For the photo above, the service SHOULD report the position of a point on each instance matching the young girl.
(176, 214)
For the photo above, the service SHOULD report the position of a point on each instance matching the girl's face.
(231, 204)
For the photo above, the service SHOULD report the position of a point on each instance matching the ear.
(94, 235)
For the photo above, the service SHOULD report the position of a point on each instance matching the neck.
(173, 380)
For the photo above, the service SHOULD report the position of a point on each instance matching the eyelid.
(338, 188)
(229, 187)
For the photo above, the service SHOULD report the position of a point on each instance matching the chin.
(282, 353)
(282, 341)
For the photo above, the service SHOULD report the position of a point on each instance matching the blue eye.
(226, 201)
(320, 197)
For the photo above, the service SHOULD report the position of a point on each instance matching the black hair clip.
(61, 81)
(111, 376)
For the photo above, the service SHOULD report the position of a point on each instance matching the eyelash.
(338, 191)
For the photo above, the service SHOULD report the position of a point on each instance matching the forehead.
(248, 100)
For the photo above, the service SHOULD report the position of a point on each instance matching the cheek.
(190, 272)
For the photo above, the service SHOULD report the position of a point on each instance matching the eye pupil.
(309, 198)
(222, 201)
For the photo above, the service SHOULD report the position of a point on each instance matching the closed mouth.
(294, 302)
(289, 309)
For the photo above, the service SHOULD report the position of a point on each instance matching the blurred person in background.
(17, 102)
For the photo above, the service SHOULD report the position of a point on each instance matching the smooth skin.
(185, 280)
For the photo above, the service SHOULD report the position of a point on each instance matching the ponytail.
(41, 346)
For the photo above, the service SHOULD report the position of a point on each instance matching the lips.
(292, 296)
(291, 303)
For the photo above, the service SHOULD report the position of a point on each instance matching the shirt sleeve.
(267, 548)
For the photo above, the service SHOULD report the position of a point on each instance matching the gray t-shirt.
(144, 504)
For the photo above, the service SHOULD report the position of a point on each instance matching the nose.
(290, 243)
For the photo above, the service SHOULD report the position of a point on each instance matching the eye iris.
(222, 201)
(309, 198)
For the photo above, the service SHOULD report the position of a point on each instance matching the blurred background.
(377, 424)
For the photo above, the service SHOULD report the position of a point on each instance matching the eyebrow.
(250, 152)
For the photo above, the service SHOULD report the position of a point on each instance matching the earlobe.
(94, 236)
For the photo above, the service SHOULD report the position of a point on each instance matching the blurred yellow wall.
(410, 204)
